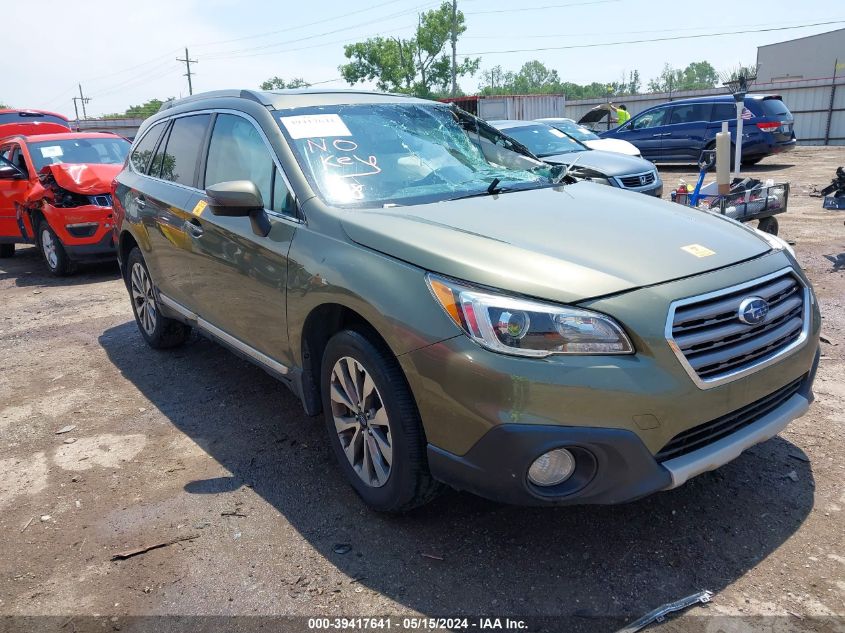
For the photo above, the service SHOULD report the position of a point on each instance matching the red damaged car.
(55, 193)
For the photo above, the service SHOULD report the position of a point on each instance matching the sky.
(126, 55)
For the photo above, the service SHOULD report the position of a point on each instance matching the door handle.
(655, 135)
(140, 202)
(193, 227)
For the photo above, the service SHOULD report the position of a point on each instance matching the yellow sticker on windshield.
(698, 250)
(198, 209)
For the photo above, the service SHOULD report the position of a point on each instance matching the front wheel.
(158, 331)
(53, 251)
(373, 424)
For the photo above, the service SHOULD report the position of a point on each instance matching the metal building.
(812, 57)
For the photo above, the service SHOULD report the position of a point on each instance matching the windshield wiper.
(492, 190)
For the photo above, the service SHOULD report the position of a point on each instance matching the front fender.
(391, 295)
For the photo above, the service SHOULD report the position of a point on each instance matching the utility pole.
(454, 48)
(83, 100)
(188, 61)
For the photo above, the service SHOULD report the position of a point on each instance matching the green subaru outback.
(458, 311)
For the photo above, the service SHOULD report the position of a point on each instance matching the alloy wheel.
(143, 298)
(361, 422)
(48, 247)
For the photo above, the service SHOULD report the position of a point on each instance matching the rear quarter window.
(143, 152)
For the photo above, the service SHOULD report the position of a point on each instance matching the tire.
(386, 427)
(53, 251)
(768, 225)
(711, 166)
(7, 250)
(158, 331)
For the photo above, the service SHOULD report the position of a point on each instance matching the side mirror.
(239, 198)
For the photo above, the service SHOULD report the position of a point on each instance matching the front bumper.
(488, 416)
(612, 465)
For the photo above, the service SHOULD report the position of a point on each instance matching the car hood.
(595, 115)
(564, 244)
(87, 179)
(613, 145)
(608, 163)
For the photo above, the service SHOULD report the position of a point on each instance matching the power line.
(605, 33)
(300, 26)
(543, 8)
(188, 61)
(654, 39)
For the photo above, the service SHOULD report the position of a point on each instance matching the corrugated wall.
(809, 100)
(521, 107)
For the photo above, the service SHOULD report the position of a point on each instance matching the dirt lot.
(196, 443)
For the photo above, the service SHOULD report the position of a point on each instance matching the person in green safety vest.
(622, 114)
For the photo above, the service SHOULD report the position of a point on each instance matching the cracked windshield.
(405, 154)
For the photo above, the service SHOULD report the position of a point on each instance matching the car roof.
(299, 97)
(46, 112)
(721, 98)
(553, 119)
(39, 138)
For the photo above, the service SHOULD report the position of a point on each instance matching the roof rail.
(252, 95)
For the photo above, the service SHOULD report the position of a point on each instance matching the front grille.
(640, 180)
(715, 343)
(709, 432)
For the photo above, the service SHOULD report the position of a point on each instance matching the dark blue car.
(677, 132)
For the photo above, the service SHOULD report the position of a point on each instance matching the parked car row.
(466, 303)
(678, 131)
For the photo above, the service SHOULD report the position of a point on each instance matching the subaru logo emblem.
(753, 310)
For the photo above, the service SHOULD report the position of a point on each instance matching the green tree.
(277, 83)
(417, 65)
(3, 106)
(535, 78)
(138, 111)
(696, 76)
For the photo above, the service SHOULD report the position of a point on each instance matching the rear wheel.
(7, 250)
(158, 331)
(373, 424)
(53, 251)
(768, 225)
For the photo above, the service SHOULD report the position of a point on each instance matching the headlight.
(524, 327)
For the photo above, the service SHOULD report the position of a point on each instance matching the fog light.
(552, 468)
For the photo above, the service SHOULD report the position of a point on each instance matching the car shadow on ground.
(463, 554)
(28, 269)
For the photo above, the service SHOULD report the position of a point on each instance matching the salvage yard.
(107, 447)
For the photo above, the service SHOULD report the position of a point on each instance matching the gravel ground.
(197, 443)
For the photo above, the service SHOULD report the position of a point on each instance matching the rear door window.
(723, 112)
(143, 151)
(184, 146)
(690, 113)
